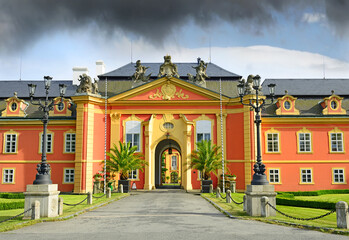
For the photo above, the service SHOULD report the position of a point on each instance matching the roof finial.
(332, 91)
(286, 92)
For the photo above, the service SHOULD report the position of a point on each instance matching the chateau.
(157, 106)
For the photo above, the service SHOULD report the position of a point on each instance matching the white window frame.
(133, 175)
(133, 130)
(335, 144)
(203, 129)
(305, 142)
(10, 145)
(274, 143)
(274, 175)
(49, 142)
(69, 175)
(306, 175)
(8, 175)
(70, 144)
(338, 176)
(174, 160)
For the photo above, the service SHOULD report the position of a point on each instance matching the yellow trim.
(63, 180)
(306, 161)
(335, 130)
(40, 142)
(10, 106)
(268, 172)
(300, 176)
(338, 183)
(35, 161)
(299, 120)
(305, 130)
(337, 104)
(79, 139)
(328, 106)
(26, 122)
(14, 174)
(281, 110)
(137, 119)
(4, 143)
(272, 131)
(19, 102)
(247, 146)
(70, 131)
(66, 103)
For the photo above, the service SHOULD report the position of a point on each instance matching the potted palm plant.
(124, 159)
(207, 159)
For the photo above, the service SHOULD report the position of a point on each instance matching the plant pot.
(125, 185)
(205, 186)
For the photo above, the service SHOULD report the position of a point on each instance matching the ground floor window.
(338, 176)
(274, 175)
(132, 175)
(8, 176)
(306, 176)
(69, 174)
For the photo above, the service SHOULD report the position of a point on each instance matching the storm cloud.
(24, 22)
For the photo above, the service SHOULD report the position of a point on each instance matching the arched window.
(133, 132)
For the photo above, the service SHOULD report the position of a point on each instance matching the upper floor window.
(10, 144)
(304, 141)
(203, 130)
(273, 142)
(133, 132)
(336, 142)
(8, 175)
(174, 162)
(49, 142)
(69, 143)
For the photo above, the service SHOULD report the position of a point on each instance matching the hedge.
(12, 195)
(11, 205)
(305, 203)
(317, 193)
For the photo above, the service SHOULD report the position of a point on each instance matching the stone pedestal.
(47, 195)
(254, 193)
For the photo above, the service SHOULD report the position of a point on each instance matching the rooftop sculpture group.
(86, 85)
(200, 73)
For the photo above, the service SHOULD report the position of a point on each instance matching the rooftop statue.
(86, 85)
(200, 73)
(139, 74)
(248, 84)
(168, 69)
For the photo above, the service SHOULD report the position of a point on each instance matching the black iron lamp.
(44, 176)
(259, 177)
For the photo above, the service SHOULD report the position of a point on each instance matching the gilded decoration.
(168, 91)
(168, 69)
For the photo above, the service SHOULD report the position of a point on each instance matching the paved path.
(161, 214)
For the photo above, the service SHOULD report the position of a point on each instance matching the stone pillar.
(244, 204)
(264, 207)
(218, 192)
(35, 210)
(342, 215)
(89, 198)
(228, 197)
(60, 206)
(254, 193)
(108, 192)
(47, 195)
(211, 188)
(121, 188)
(233, 186)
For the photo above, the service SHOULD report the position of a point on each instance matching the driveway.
(160, 214)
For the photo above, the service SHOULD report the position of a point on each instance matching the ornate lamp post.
(259, 177)
(43, 176)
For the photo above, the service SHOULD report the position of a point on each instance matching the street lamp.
(44, 176)
(259, 177)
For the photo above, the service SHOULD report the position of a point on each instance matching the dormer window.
(332, 105)
(286, 105)
(15, 107)
(61, 108)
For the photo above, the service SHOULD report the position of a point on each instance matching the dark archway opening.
(160, 149)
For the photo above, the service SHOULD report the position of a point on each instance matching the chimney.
(100, 68)
(77, 71)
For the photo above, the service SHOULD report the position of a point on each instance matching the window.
(60, 106)
(133, 130)
(10, 143)
(334, 104)
(168, 125)
(174, 163)
(274, 175)
(304, 141)
(287, 105)
(336, 142)
(272, 142)
(13, 106)
(132, 175)
(8, 176)
(69, 174)
(203, 130)
(49, 140)
(306, 176)
(338, 176)
(70, 142)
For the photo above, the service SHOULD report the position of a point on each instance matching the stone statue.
(95, 86)
(168, 69)
(139, 74)
(85, 84)
(248, 84)
(200, 73)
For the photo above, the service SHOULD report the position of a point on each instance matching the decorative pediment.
(61, 108)
(332, 105)
(168, 89)
(15, 107)
(286, 105)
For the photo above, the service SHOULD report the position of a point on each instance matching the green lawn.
(326, 198)
(326, 222)
(67, 210)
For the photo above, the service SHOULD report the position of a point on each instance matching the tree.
(124, 159)
(206, 158)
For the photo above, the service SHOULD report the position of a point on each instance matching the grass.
(67, 210)
(326, 222)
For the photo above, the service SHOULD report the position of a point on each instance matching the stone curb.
(330, 230)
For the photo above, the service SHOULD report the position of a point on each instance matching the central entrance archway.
(160, 150)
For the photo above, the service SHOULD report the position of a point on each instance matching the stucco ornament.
(86, 85)
(168, 91)
(200, 73)
(139, 75)
(168, 69)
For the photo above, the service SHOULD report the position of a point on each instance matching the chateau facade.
(157, 106)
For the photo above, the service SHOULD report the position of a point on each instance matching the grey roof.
(308, 87)
(213, 71)
(7, 88)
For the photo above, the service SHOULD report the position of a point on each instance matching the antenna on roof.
(209, 53)
(131, 51)
(323, 66)
(20, 69)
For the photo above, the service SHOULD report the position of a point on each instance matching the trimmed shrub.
(319, 192)
(304, 203)
(11, 205)
(12, 195)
